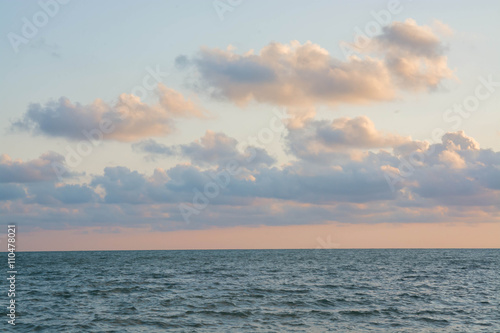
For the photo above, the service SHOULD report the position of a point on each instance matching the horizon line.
(267, 249)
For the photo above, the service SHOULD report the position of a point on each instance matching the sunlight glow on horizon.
(340, 236)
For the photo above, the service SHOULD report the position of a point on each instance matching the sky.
(237, 124)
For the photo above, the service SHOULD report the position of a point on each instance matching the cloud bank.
(454, 181)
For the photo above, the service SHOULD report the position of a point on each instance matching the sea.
(317, 290)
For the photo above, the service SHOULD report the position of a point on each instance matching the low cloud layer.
(37, 181)
(396, 180)
(37, 170)
(128, 119)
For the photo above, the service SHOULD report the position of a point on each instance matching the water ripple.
(259, 291)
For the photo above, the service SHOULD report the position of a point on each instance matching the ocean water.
(258, 291)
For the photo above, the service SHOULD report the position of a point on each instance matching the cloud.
(294, 75)
(324, 140)
(174, 103)
(181, 62)
(213, 149)
(413, 54)
(459, 141)
(455, 172)
(44, 168)
(452, 159)
(409, 38)
(38, 181)
(128, 119)
(11, 192)
(154, 149)
(454, 181)
(404, 57)
(348, 190)
(324, 185)
(52, 194)
(122, 185)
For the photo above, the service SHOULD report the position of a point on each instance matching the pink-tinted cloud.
(404, 57)
(324, 140)
(454, 181)
(129, 119)
(293, 75)
(413, 54)
(36, 170)
(212, 149)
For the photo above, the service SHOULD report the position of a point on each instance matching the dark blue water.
(258, 291)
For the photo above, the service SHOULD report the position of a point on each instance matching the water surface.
(259, 291)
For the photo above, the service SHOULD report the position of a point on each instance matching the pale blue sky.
(100, 49)
(105, 47)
